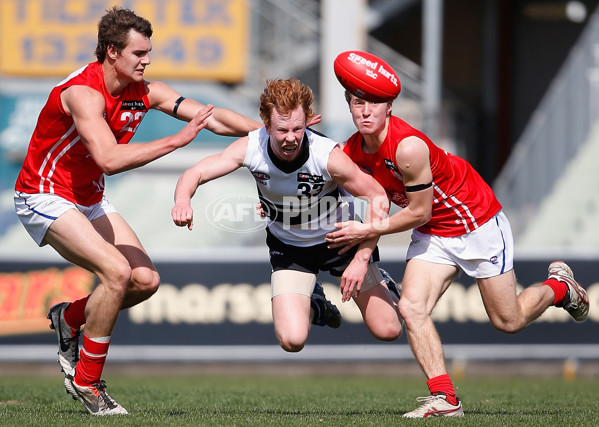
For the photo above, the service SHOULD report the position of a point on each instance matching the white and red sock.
(92, 357)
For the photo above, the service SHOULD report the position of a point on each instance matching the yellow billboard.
(193, 39)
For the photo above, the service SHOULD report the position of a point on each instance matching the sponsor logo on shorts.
(494, 260)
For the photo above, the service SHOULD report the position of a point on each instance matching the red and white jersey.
(462, 200)
(57, 161)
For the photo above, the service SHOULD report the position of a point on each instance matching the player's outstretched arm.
(207, 169)
(86, 106)
(222, 122)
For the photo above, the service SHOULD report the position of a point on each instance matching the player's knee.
(117, 277)
(292, 342)
(385, 327)
(411, 313)
(508, 326)
(291, 346)
(145, 282)
(390, 331)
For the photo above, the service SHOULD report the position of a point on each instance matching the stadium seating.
(568, 215)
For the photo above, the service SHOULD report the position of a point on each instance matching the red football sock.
(74, 314)
(443, 384)
(91, 360)
(559, 289)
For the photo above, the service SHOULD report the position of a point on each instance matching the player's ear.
(111, 52)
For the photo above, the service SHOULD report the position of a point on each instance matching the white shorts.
(485, 252)
(38, 211)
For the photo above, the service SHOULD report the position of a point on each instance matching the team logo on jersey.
(306, 177)
(391, 166)
(261, 177)
(133, 105)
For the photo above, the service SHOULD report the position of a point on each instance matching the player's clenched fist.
(182, 216)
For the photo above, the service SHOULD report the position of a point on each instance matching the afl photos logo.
(237, 213)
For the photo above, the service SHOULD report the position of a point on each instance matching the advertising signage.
(193, 39)
(228, 303)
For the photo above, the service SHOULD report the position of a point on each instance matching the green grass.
(231, 400)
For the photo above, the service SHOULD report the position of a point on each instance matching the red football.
(366, 76)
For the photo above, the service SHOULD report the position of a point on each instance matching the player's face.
(286, 133)
(369, 117)
(132, 61)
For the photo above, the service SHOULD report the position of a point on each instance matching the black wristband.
(176, 107)
(419, 187)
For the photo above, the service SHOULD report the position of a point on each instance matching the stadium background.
(511, 86)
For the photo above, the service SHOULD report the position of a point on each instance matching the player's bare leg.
(297, 303)
(291, 308)
(423, 285)
(76, 239)
(380, 313)
(291, 315)
(143, 283)
(144, 280)
(508, 311)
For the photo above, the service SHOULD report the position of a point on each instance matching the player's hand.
(315, 120)
(183, 216)
(260, 210)
(352, 279)
(349, 234)
(195, 125)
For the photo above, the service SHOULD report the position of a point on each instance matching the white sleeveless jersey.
(300, 197)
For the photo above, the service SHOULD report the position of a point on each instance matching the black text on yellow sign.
(193, 39)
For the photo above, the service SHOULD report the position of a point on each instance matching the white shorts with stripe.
(38, 211)
(485, 252)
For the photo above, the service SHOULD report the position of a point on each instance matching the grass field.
(305, 400)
